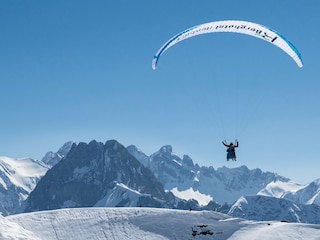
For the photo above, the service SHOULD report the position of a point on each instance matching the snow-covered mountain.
(280, 189)
(98, 174)
(263, 208)
(182, 176)
(302, 194)
(309, 194)
(148, 224)
(18, 177)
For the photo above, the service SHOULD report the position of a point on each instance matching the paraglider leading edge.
(233, 26)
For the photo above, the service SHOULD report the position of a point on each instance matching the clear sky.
(81, 70)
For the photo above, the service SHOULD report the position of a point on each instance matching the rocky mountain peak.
(88, 173)
(186, 160)
(52, 158)
(166, 149)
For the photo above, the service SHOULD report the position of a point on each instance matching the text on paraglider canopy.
(228, 27)
(257, 32)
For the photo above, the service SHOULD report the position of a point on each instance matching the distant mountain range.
(223, 185)
(97, 174)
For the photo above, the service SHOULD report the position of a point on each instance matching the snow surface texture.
(146, 223)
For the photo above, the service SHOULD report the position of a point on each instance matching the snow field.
(146, 223)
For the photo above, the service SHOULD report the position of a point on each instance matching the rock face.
(52, 158)
(96, 174)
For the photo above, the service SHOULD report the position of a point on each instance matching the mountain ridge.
(184, 184)
(88, 173)
(222, 184)
(264, 208)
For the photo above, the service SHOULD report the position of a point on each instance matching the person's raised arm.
(224, 143)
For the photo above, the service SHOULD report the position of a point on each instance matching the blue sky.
(81, 70)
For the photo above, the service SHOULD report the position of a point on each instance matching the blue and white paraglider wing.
(234, 26)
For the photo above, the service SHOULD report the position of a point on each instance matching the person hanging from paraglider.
(231, 152)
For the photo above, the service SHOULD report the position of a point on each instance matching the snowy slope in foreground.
(146, 223)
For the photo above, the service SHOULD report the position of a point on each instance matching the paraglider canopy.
(235, 26)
